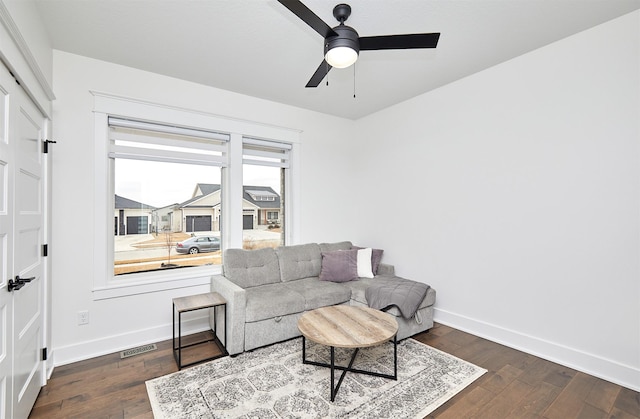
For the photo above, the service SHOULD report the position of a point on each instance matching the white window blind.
(138, 140)
(266, 153)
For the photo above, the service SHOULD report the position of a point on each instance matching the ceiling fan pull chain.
(327, 73)
(354, 81)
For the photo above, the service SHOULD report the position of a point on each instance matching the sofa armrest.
(236, 305)
(386, 270)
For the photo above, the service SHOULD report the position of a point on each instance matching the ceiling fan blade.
(320, 74)
(410, 41)
(307, 16)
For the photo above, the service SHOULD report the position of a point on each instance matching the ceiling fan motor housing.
(347, 37)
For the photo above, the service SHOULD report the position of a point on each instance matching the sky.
(161, 184)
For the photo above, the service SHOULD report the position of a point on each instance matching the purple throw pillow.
(339, 266)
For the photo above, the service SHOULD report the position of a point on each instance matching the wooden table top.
(347, 326)
(196, 302)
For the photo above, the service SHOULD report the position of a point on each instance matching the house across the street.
(260, 207)
(132, 217)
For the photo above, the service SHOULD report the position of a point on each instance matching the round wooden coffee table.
(348, 327)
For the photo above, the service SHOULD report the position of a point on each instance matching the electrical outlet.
(83, 317)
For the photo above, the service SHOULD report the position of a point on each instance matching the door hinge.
(44, 354)
(45, 250)
(45, 149)
(15, 78)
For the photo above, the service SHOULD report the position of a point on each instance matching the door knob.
(19, 283)
(15, 285)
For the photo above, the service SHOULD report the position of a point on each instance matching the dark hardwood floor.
(517, 385)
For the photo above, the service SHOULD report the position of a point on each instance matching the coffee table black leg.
(344, 371)
(395, 357)
(333, 390)
(304, 351)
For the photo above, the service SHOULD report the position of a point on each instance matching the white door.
(21, 240)
(6, 250)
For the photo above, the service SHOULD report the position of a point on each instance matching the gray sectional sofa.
(267, 290)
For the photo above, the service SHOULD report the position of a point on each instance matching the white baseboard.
(116, 343)
(606, 369)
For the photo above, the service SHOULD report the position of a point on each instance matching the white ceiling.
(259, 48)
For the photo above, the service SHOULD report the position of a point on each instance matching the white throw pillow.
(364, 263)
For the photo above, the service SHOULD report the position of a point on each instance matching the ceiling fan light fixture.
(341, 57)
(342, 50)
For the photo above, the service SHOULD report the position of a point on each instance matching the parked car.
(199, 244)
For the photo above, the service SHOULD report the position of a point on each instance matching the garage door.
(247, 222)
(137, 225)
(198, 223)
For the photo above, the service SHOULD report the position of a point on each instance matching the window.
(262, 195)
(134, 138)
(167, 196)
(265, 167)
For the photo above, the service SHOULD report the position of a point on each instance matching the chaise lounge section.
(267, 290)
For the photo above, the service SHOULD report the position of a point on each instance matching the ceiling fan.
(342, 44)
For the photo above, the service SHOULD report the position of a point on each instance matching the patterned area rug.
(272, 382)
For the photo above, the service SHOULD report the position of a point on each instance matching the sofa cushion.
(319, 293)
(251, 268)
(331, 247)
(339, 266)
(357, 289)
(272, 300)
(297, 262)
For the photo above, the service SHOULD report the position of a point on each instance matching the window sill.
(145, 283)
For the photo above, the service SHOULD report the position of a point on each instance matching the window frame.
(274, 154)
(105, 285)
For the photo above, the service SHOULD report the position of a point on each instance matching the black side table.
(192, 303)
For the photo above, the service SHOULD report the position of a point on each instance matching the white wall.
(515, 193)
(120, 323)
(26, 48)
(27, 18)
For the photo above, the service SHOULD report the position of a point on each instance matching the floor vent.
(139, 350)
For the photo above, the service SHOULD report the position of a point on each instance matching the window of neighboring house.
(167, 200)
(265, 177)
